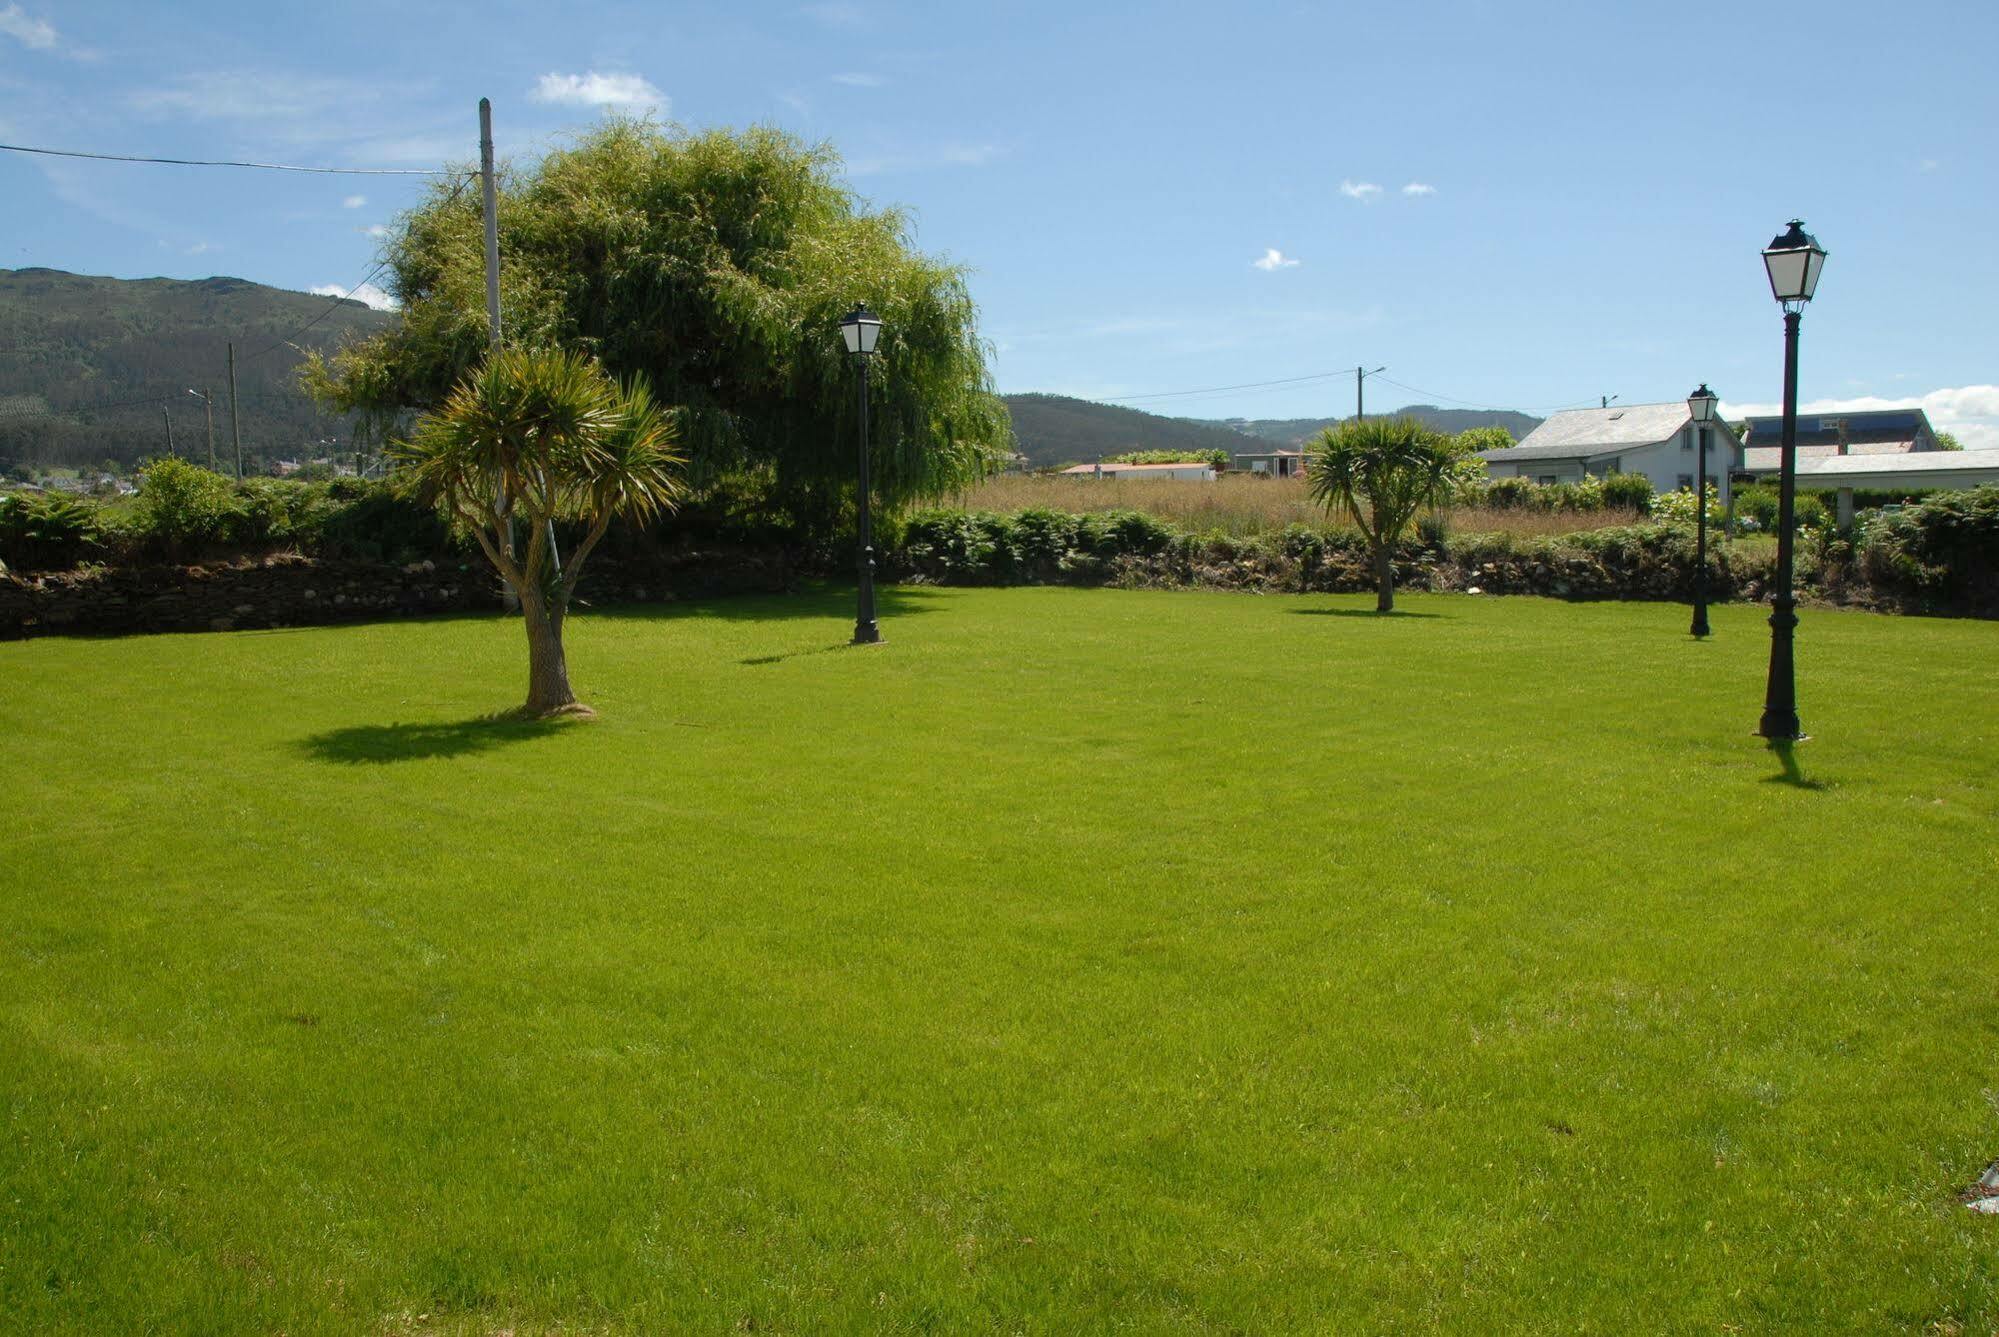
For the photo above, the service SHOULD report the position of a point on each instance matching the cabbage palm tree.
(538, 437)
(1381, 472)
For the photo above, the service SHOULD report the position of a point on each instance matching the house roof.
(1913, 462)
(1768, 459)
(1267, 454)
(1580, 434)
(1822, 429)
(1109, 467)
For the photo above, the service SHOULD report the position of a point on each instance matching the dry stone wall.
(290, 591)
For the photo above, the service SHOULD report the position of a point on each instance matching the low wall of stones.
(293, 591)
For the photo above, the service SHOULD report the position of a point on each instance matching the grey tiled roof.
(1914, 462)
(1580, 434)
(1764, 459)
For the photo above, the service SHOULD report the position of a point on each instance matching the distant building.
(1881, 432)
(1657, 440)
(1190, 470)
(1273, 463)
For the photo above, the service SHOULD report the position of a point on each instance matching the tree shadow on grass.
(810, 600)
(1360, 612)
(378, 744)
(1792, 774)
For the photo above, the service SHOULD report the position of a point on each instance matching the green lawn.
(1078, 960)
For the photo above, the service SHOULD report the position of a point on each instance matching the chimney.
(1845, 424)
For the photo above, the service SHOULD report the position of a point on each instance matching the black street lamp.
(1701, 405)
(861, 329)
(1794, 260)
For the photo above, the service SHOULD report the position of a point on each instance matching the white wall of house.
(1670, 464)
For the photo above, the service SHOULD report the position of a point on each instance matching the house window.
(1687, 482)
(1546, 480)
(1687, 439)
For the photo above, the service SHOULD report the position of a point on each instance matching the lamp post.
(210, 404)
(1793, 260)
(1701, 405)
(861, 329)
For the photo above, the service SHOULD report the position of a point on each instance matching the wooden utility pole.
(1360, 375)
(489, 191)
(168, 415)
(489, 194)
(235, 423)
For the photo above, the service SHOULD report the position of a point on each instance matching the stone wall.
(292, 591)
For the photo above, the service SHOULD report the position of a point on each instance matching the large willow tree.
(716, 266)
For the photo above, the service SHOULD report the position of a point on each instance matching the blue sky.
(1518, 205)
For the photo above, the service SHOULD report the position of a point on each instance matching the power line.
(1466, 403)
(334, 305)
(330, 308)
(217, 162)
(1222, 389)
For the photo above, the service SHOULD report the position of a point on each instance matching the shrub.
(183, 508)
(1757, 503)
(368, 520)
(270, 511)
(1123, 533)
(1512, 494)
(1679, 508)
(1043, 537)
(1218, 459)
(967, 546)
(1632, 492)
(1948, 545)
(48, 532)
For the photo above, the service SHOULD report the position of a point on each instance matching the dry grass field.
(1238, 505)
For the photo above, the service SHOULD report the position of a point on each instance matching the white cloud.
(367, 293)
(1364, 191)
(353, 201)
(1927, 165)
(625, 91)
(375, 230)
(1419, 188)
(1968, 412)
(860, 80)
(1274, 259)
(200, 248)
(32, 32)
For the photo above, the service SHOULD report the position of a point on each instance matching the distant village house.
(1657, 440)
(1192, 470)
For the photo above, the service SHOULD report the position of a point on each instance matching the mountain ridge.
(90, 365)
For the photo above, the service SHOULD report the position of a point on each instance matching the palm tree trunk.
(548, 668)
(1384, 579)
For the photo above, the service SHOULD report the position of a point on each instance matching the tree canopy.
(1493, 437)
(1381, 472)
(541, 437)
(717, 265)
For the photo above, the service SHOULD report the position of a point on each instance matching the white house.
(1273, 463)
(1657, 440)
(1192, 470)
(1875, 432)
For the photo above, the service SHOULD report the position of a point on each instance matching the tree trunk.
(1384, 579)
(548, 669)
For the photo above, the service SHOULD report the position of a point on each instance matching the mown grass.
(1242, 505)
(1077, 960)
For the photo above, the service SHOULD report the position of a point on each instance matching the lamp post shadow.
(1792, 774)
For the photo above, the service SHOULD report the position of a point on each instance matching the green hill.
(1054, 429)
(1290, 431)
(87, 364)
